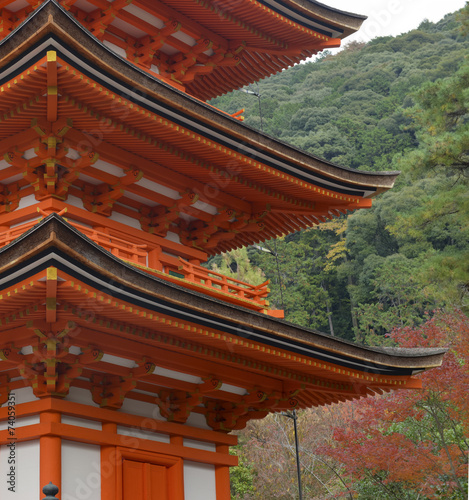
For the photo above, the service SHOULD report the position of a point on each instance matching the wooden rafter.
(159, 220)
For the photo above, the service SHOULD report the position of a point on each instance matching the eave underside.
(248, 194)
(65, 300)
(207, 48)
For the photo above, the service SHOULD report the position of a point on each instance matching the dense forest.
(396, 274)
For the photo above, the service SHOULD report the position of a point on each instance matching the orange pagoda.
(124, 364)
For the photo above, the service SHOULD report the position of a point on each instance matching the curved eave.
(257, 38)
(348, 22)
(54, 242)
(51, 19)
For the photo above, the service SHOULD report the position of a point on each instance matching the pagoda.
(125, 364)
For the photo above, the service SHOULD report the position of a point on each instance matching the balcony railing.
(153, 260)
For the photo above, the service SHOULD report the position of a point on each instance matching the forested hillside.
(397, 274)
(392, 104)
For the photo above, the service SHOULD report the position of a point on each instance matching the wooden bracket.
(159, 219)
(176, 406)
(109, 391)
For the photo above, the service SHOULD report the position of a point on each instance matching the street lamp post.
(294, 417)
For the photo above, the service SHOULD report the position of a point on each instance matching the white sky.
(392, 17)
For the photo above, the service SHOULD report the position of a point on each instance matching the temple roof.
(137, 309)
(155, 156)
(204, 47)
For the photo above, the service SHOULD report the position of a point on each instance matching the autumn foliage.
(412, 444)
(402, 445)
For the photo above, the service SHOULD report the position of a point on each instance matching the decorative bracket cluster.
(50, 171)
(100, 19)
(224, 226)
(159, 219)
(227, 416)
(109, 391)
(176, 406)
(100, 199)
(50, 369)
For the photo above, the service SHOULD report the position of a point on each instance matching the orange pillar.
(176, 474)
(50, 468)
(222, 476)
(108, 466)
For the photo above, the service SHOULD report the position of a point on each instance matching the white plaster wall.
(82, 396)
(199, 481)
(198, 420)
(115, 48)
(141, 408)
(81, 471)
(74, 201)
(27, 201)
(143, 433)
(174, 237)
(200, 445)
(104, 165)
(154, 186)
(21, 422)
(82, 422)
(26, 466)
(124, 219)
(186, 377)
(23, 395)
(143, 14)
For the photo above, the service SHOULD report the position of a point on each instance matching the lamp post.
(275, 254)
(294, 417)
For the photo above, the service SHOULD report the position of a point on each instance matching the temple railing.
(153, 260)
(199, 274)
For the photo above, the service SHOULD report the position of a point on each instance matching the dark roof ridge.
(55, 14)
(53, 230)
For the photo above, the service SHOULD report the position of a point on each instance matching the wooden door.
(144, 481)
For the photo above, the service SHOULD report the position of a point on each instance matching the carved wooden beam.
(101, 18)
(148, 46)
(109, 391)
(159, 219)
(176, 406)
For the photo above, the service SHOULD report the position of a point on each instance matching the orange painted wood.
(82, 435)
(50, 468)
(133, 480)
(50, 434)
(144, 481)
(161, 475)
(222, 477)
(108, 416)
(108, 465)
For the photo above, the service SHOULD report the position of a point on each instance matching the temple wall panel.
(197, 420)
(118, 50)
(125, 219)
(140, 408)
(20, 422)
(83, 396)
(75, 201)
(81, 422)
(144, 433)
(27, 201)
(26, 471)
(200, 445)
(23, 395)
(81, 471)
(199, 481)
(108, 167)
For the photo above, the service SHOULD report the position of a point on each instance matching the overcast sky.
(392, 17)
